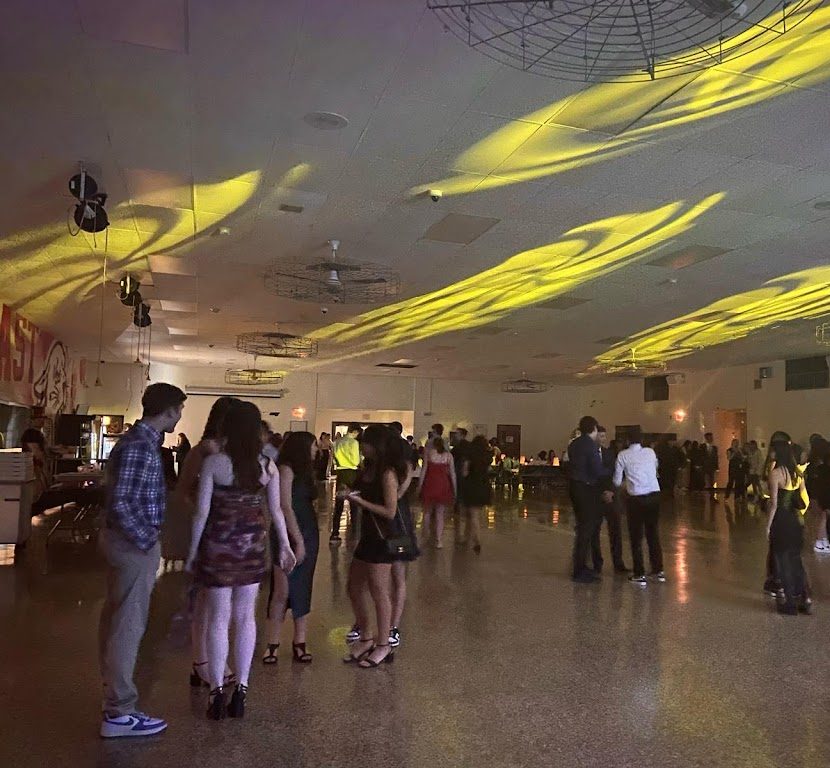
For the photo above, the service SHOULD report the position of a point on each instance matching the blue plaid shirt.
(136, 491)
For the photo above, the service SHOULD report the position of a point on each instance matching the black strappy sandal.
(352, 659)
(196, 680)
(300, 655)
(367, 663)
(270, 657)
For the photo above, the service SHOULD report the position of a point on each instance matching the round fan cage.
(823, 334)
(524, 386)
(252, 377)
(635, 367)
(276, 344)
(621, 40)
(340, 281)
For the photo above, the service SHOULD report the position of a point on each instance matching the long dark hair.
(388, 452)
(241, 430)
(296, 453)
(439, 445)
(784, 456)
(480, 453)
(218, 411)
(33, 435)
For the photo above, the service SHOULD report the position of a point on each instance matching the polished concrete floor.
(505, 662)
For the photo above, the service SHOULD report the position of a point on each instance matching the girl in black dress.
(476, 488)
(370, 574)
(293, 591)
(785, 528)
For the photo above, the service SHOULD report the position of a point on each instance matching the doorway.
(730, 424)
(509, 438)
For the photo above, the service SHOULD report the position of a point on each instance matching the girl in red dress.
(437, 487)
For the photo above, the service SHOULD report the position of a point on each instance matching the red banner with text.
(35, 367)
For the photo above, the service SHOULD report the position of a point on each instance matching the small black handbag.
(402, 545)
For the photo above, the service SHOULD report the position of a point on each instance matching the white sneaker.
(822, 545)
(135, 724)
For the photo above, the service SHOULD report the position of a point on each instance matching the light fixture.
(276, 344)
(215, 310)
(252, 377)
(679, 415)
(823, 334)
(336, 280)
(299, 412)
(524, 386)
(628, 40)
(635, 366)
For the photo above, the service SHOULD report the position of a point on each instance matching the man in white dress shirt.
(638, 466)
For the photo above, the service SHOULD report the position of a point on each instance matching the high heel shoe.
(368, 663)
(300, 654)
(196, 680)
(270, 656)
(216, 704)
(237, 706)
(352, 659)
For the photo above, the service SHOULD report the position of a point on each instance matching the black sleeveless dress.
(786, 540)
(374, 529)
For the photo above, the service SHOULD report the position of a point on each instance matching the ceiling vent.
(459, 228)
(325, 121)
(561, 303)
(396, 365)
(685, 257)
(288, 208)
(524, 386)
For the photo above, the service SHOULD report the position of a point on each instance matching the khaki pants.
(131, 575)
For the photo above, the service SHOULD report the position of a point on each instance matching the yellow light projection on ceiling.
(582, 254)
(45, 266)
(796, 296)
(592, 126)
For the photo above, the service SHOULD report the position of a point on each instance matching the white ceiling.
(191, 117)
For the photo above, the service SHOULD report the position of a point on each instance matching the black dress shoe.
(586, 577)
(621, 568)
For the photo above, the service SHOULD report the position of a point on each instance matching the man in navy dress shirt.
(587, 474)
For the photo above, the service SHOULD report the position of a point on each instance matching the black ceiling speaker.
(128, 290)
(141, 315)
(89, 213)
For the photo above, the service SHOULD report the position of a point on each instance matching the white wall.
(546, 419)
(768, 409)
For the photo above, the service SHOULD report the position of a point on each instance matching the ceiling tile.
(459, 228)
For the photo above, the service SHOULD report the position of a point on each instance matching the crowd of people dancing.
(248, 499)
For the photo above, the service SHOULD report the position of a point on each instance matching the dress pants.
(643, 515)
(611, 515)
(346, 479)
(131, 575)
(588, 513)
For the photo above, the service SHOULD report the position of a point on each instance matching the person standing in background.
(637, 465)
(711, 463)
(586, 475)
(133, 515)
(266, 435)
(182, 449)
(610, 512)
(437, 487)
(347, 461)
(755, 465)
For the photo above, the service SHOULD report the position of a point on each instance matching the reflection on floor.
(504, 661)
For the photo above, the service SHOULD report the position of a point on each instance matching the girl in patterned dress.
(229, 548)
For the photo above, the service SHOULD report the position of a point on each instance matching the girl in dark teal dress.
(293, 591)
